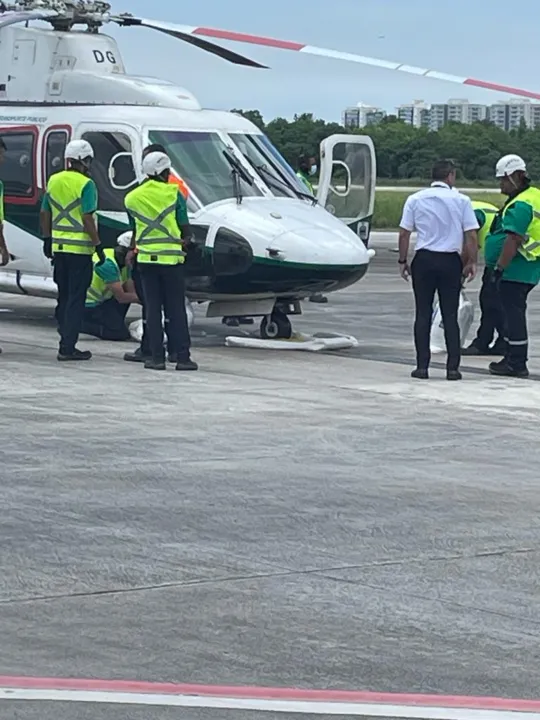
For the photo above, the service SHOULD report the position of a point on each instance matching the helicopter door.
(113, 171)
(347, 181)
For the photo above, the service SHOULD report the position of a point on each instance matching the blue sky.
(475, 38)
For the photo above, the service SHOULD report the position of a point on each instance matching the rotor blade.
(351, 57)
(187, 34)
(11, 18)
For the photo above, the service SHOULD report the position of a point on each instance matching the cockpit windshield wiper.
(238, 173)
(279, 184)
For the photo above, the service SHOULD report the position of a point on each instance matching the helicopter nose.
(320, 246)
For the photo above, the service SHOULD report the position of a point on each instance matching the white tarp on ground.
(309, 343)
(465, 321)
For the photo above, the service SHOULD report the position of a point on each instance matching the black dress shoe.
(504, 369)
(453, 375)
(420, 374)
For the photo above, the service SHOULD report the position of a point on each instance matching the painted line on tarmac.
(283, 700)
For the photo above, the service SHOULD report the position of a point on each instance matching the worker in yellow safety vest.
(142, 353)
(491, 318)
(161, 231)
(71, 238)
(512, 250)
(4, 253)
(110, 294)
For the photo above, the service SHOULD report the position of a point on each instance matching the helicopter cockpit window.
(17, 172)
(256, 154)
(112, 186)
(198, 159)
(54, 152)
(264, 142)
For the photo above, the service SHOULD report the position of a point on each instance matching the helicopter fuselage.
(260, 238)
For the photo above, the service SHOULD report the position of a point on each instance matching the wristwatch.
(402, 262)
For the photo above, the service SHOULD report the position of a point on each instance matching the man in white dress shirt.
(442, 218)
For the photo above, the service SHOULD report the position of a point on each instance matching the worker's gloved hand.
(47, 248)
(496, 277)
(100, 254)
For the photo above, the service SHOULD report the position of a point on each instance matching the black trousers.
(492, 317)
(437, 272)
(145, 341)
(106, 321)
(72, 274)
(139, 289)
(164, 290)
(513, 297)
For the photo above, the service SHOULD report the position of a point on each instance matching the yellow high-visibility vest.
(530, 249)
(158, 237)
(64, 191)
(490, 211)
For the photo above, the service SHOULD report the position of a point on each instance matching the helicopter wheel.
(276, 327)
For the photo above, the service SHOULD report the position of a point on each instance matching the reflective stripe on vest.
(99, 292)
(490, 212)
(157, 236)
(530, 249)
(64, 191)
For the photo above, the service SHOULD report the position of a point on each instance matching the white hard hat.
(78, 150)
(124, 240)
(155, 163)
(508, 165)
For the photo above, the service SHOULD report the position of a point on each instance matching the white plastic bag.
(465, 321)
(136, 327)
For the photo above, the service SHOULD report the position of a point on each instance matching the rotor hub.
(92, 13)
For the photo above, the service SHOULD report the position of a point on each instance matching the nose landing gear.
(276, 326)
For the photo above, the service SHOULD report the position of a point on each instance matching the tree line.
(406, 153)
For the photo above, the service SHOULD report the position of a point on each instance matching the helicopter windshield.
(269, 164)
(199, 160)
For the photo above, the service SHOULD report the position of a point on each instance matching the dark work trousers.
(514, 305)
(442, 273)
(137, 281)
(72, 274)
(492, 318)
(164, 290)
(106, 321)
(145, 342)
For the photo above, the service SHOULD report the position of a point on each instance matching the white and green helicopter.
(264, 242)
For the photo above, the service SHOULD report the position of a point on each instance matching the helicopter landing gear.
(276, 326)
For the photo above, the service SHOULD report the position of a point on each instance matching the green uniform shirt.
(1, 202)
(89, 199)
(110, 273)
(181, 213)
(516, 220)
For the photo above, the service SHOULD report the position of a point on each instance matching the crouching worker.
(111, 293)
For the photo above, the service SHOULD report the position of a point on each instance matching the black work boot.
(420, 374)
(504, 368)
(475, 350)
(186, 365)
(151, 364)
(136, 356)
(74, 356)
(453, 375)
